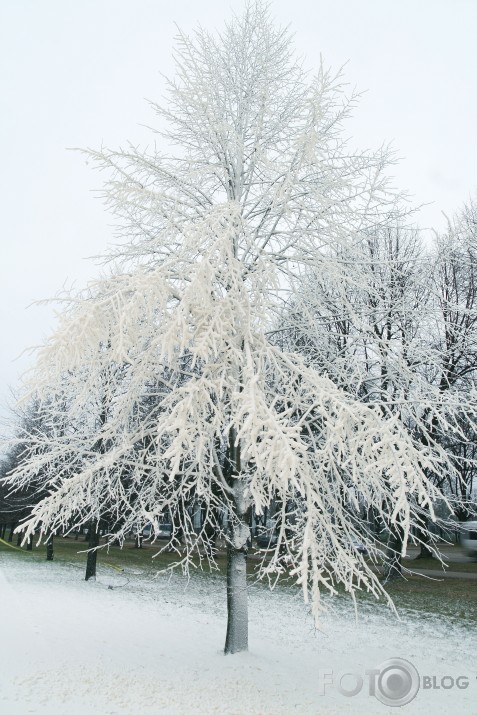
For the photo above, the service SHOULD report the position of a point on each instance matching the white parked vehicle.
(468, 538)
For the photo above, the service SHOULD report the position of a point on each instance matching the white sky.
(75, 74)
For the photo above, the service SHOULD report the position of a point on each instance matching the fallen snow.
(154, 646)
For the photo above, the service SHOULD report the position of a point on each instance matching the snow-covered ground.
(70, 647)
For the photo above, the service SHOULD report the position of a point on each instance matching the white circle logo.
(397, 683)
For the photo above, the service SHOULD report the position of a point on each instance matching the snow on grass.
(155, 646)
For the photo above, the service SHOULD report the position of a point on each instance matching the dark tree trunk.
(392, 562)
(258, 523)
(210, 542)
(49, 548)
(424, 537)
(93, 542)
(3, 528)
(19, 540)
(375, 520)
(30, 543)
(288, 531)
(12, 529)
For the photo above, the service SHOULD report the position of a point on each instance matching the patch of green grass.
(68, 550)
(452, 599)
(435, 565)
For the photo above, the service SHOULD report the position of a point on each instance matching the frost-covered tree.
(30, 424)
(455, 341)
(456, 292)
(404, 333)
(215, 238)
(371, 336)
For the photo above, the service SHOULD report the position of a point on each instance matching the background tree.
(454, 337)
(376, 337)
(27, 424)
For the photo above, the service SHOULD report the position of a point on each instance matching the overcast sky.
(76, 74)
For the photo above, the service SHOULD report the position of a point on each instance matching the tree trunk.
(49, 548)
(392, 563)
(12, 529)
(423, 536)
(237, 546)
(237, 599)
(93, 541)
(19, 540)
(376, 521)
(30, 543)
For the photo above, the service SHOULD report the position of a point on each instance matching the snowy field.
(151, 646)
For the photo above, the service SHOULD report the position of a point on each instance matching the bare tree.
(455, 342)
(378, 338)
